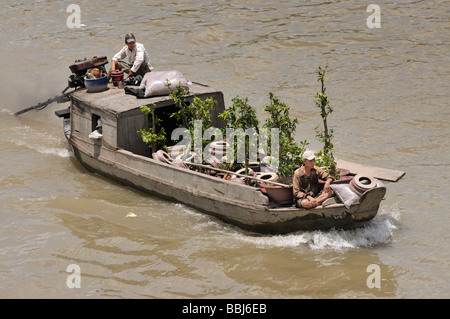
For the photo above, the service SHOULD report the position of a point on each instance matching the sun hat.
(309, 155)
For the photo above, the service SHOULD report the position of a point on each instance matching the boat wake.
(55, 151)
(39, 141)
(5, 110)
(43, 149)
(380, 231)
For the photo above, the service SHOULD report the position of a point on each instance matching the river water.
(389, 90)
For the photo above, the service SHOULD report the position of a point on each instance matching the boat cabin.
(122, 118)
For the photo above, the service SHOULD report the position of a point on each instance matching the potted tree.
(241, 116)
(289, 152)
(325, 157)
(155, 136)
(188, 114)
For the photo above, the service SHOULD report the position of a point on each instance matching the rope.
(115, 148)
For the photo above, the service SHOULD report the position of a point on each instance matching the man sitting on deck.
(308, 192)
(138, 58)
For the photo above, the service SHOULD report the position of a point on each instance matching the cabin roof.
(114, 100)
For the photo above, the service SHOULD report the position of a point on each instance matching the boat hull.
(240, 205)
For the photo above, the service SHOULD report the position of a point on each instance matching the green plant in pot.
(288, 155)
(289, 152)
(190, 113)
(325, 157)
(241, 117)
(155, 136)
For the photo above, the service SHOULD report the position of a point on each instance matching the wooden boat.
(122, 156)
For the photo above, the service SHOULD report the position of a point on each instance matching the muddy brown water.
(389, 89)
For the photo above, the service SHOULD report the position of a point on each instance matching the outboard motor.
(79, 69)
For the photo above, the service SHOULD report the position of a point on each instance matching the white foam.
(5, 110)
(380, 231)
(39, 141)
(55, 151)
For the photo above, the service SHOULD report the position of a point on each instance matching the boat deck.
(115, 101)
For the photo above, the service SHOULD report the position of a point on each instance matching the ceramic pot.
(96, 85)
(267, 177)
(344, 177)
(343, 180)
(279, 194)
(362, 183)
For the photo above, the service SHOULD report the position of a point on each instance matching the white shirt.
(135, 57)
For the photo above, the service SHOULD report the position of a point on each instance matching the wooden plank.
(377, 172)
(63, 113)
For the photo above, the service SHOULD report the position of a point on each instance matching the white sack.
(154, 82)
(346, 195)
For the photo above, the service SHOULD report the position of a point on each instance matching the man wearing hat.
(132, 58)
(308, 192)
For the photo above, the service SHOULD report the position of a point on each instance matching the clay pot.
(344, 177)
(162, 156)
(279, 194)
(267, 176)
(214, 161)
(178, 161)
(254, 166)
(344, 171)
(362, 183)
(343, 180)
(222, 175)
(237, 180)
(250, 172)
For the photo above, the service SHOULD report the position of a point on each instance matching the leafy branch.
(325, 136)
(290, 152)
(241, 115)
(155, 136)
